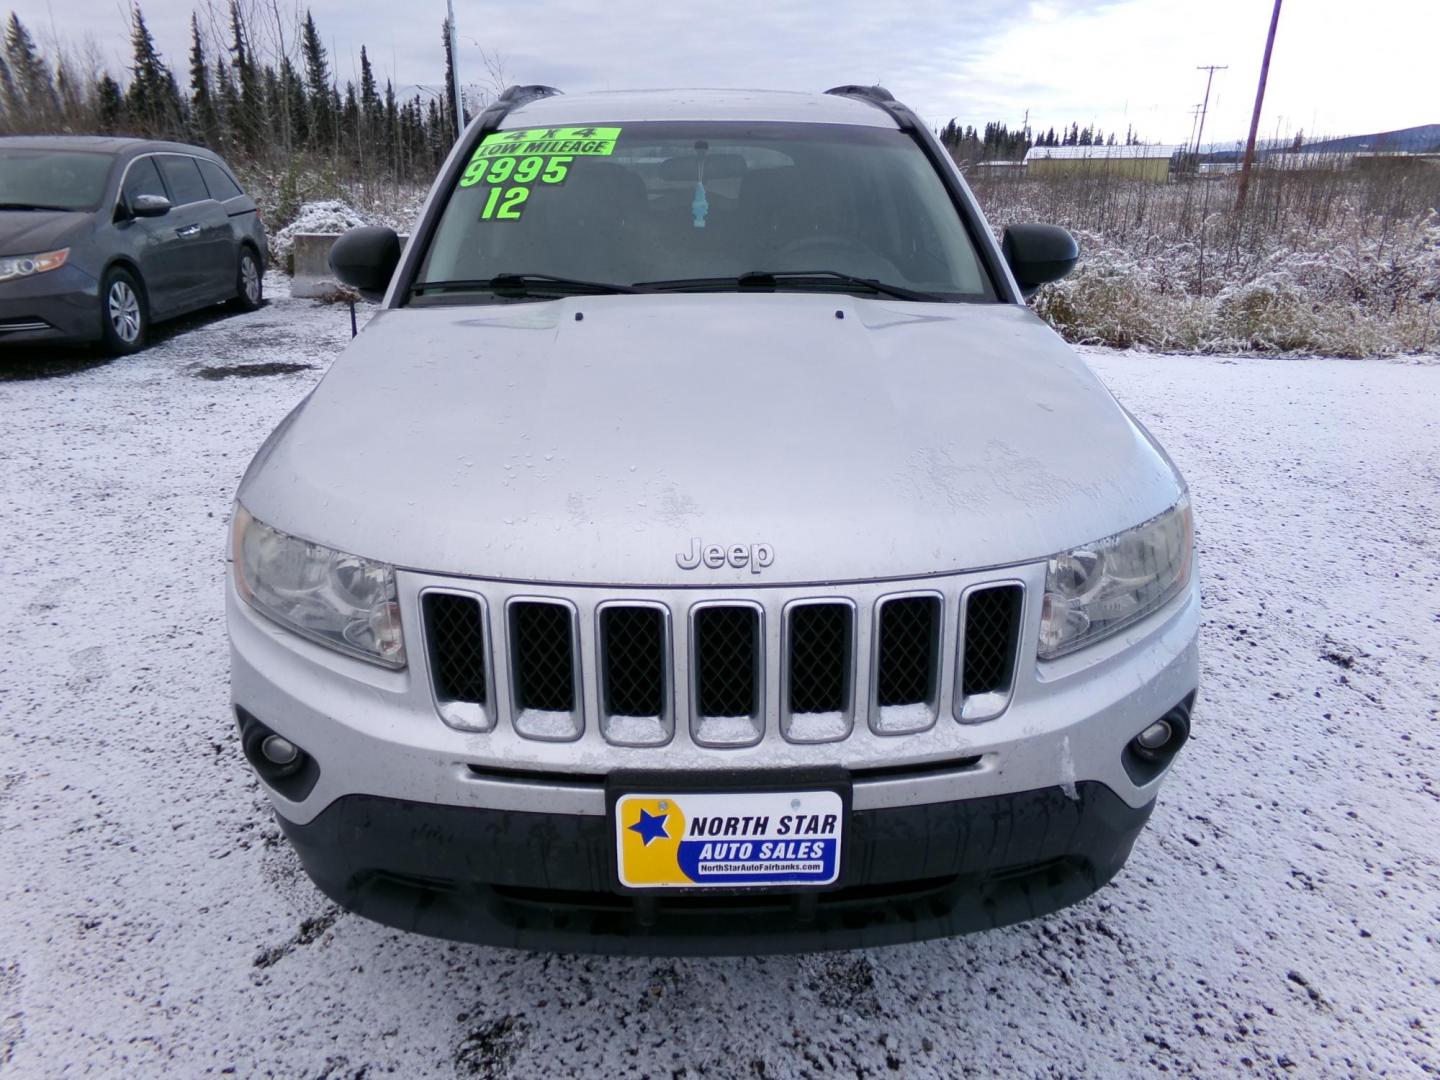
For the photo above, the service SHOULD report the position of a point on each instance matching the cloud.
(1110, 62)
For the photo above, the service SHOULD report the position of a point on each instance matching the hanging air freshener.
(700, 205)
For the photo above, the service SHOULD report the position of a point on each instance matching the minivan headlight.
(1094, 591)
(18, 266)
(342, 601)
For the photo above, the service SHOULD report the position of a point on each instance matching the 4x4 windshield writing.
(713, 205)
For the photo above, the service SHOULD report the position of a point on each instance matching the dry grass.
(1326, 260)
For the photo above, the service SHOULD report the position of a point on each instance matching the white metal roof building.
(1105, 153)
(1150, 163)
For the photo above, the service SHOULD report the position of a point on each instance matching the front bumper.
(489, 837)
(60, 307)
(542, 881)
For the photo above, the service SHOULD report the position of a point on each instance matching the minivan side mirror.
(1039, 254)
(149, 206)
(365, 259)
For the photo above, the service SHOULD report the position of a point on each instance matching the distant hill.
(1422, 139)
(1426, 137)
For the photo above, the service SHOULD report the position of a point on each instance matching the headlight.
(18, 266)
(1096, 590)
(339, 600)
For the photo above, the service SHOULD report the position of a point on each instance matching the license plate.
(729, 840)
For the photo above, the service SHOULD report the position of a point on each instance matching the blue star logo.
(651, 827)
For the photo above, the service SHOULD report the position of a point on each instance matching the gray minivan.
(100, 237)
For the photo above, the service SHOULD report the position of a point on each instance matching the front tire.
(124, 316)
(249, 282)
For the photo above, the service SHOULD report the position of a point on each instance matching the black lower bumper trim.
(543, 881)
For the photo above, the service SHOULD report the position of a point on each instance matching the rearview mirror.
(1039, 254)
(149, 206)
(365, 259)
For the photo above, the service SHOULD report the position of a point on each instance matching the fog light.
(1156, 735)
(279, 751)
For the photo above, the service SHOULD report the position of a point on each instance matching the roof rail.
(871, 93)
(515, 95)
(882, 99)
(511, 98)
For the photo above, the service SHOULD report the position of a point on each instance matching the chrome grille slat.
(991, 620)
(726, 652)
(543, 672)
(818, 671)
(634, 647)
(456, 636)
(907, 664)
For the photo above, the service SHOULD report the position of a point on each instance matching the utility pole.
(1255, 118)
(1211, 68)
(1194, 119)
(459, 96)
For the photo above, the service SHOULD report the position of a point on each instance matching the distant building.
(1151, 163)
(997, 168)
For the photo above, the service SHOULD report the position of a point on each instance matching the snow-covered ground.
(1281, 915)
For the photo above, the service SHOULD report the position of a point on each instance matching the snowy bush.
(327, 216)
(1336, 262)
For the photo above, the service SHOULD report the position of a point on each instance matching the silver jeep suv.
(705, 550)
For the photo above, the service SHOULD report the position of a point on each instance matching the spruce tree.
(297, 109)
(317, 85)
(109, 106)
(457, 125)
(227, 104)
(390, 131)
(12, 102)
(205, 124)
(350, 124)
(369, 95)
(30, 94)
(153, 100)
(247, 118)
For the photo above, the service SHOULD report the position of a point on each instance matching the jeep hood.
(590, 439)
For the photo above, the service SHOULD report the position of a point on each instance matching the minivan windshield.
(52, 179)
(696, 206)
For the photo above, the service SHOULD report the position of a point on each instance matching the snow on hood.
(520, 441)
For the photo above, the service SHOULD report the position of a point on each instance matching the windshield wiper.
(32, 206)
(523, 285)
(770, 279)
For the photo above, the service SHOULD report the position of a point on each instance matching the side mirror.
(365, 259)
(1039, 254)
(149, 206)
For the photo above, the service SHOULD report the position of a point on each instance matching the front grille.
(542, 658)
(727, 675)
(871, 659)
(992, 622)
(455, 631)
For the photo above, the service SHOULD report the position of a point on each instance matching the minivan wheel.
(124, 320)
(249, 283)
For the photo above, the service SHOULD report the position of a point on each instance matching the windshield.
(52, 179)
(700, 206)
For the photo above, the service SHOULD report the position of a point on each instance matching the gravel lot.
(1281, 916)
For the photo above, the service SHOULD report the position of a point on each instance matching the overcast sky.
(1340, 66)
